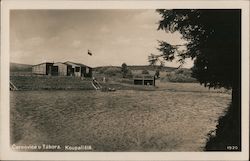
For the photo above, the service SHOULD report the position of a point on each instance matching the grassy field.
(34, 82)
(176, 117)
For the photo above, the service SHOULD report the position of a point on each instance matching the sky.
(113, 36)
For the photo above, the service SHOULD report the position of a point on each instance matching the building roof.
(59, 63)
(70, 63)
(77, 64)
(42, 63)
(143, 76)
(82, 65)
(66, 63)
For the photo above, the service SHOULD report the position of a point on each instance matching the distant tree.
(214, 43)
(153, 59)
(129, 74)
(157, 73)
(112, 71)
(145, 72)
(162, 64)
(124, 70)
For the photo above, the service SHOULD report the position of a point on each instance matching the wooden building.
(44, 69)
(63, 69)
(73, 69)
(144, 79)
(85, 70)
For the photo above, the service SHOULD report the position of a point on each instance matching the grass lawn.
(176, 117)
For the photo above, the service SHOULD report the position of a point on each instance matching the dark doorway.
(69, 71)
(54, 71)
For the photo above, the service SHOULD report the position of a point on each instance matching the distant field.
(35, 82)
(169, 119)
(167, 74)
(138, 67)
(16, 67)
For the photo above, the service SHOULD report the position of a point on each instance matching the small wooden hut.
(44, 69)
(62, 69)
(144, 79)
(86, 71)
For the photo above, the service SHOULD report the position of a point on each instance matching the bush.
(157, 73)
(145, 72)
(129, 74)
(101, 70)
(185, 72)
(179, 75)
(112, 71)
(227, 133)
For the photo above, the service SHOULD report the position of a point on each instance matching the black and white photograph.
(118, 79)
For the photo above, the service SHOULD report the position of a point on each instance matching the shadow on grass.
(228, 133)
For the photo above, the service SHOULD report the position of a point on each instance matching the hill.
(17, 67)
(137, 67)
(149, 67)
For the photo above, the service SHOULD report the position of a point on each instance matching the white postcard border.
(8, 154)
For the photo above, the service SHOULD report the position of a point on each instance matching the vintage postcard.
(124, 80)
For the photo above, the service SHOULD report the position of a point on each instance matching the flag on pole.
(89, 52)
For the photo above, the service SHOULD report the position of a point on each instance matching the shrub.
(129, 74)
(145, 72)
(101, 70)
(179, 75)
(124, 70)
(186, 72)
(227, 133)
(112, 71)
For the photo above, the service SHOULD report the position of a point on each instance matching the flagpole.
(89, 54)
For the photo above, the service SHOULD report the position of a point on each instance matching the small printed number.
(232, 147)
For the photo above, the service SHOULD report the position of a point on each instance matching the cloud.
(148, 26)
(76, 43)
(121, 41)
(26, 45)
(104, 29)
(34, 41)
(115, 36)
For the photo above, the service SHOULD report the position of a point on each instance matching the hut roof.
(42, 63)
(70, 63)
(77, 64)
(59, 63)
(66, 63)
